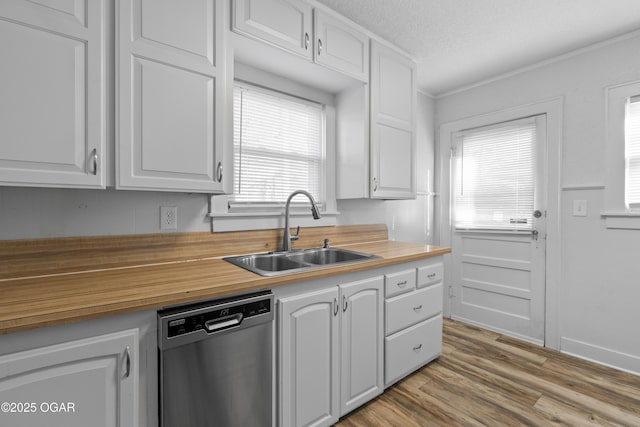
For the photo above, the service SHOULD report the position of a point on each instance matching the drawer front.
(408, 309)
(411, 348)
(430, 274)
(399, 283)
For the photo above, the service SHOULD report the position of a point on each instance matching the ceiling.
(461, 42)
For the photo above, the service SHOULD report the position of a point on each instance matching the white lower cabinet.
(96, 373)
(331, 354)
(92, 381)
(413, 319)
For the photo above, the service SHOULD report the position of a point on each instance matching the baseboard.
(500, 331)
(604, 356)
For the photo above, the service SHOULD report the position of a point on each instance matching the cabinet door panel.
(172, 106)
(362, 342)
(86, 381)
(284, 23)
(393, 134)
(309, 359)
(51, 81)
(341, 47)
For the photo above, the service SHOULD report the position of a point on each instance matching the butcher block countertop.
(49, 282)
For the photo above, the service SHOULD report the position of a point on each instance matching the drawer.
(399, 283)
(430, 274)
(411, 348)
(408, 309)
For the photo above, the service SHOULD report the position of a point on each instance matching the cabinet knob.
(306, 41)
(319, 46)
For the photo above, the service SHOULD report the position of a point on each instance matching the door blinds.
(632, 154)
(278, 146)
(495, 177)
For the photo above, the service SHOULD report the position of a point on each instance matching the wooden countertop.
(63, 295)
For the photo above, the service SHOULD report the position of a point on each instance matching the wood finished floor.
(487, 379)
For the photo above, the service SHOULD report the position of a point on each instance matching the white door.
(89, 382)
(362, 334)
(52, 86)
(393, 125)
(172, 78)
(309, 353)
(498, 227)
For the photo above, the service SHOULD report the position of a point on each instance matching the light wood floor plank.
(486, 379)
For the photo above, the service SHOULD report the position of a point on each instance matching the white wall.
(407, 220)
(600, 268)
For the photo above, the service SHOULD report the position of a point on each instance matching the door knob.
(537, 214)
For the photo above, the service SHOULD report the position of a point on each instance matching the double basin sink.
(276, 263)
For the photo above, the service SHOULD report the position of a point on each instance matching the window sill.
(627, 220)
(239, 221)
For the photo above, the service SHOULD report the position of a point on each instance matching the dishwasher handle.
(223, 322)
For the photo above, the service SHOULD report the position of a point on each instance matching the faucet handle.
(326, 244)
(296, 236)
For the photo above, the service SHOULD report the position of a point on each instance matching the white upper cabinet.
(52, 107)
(296, 27)
(172, 109)
(341, 46)
(393, 124)
(283, 23)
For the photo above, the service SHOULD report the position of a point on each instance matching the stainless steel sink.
(276, 263)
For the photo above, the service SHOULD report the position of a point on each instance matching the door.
(52, 86)
(283, 23)
(393, 135)
(172, 78)
(362, 338)
(309, 352)
(89, 382)
(498, 227)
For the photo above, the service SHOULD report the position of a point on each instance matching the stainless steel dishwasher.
(216, 363)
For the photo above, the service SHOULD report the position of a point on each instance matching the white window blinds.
(495, 177)
(632, 154)
(278, 147)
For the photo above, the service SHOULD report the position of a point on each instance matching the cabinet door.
(341, 46)
(362, 340)
(52, 82)
(309, 355)
(283, 23)
(393, 106)
(172, 95)
(90, 382)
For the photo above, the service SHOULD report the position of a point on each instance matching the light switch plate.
(579, 208)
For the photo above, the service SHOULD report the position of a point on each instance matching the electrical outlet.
(579, 208)
(168, 217)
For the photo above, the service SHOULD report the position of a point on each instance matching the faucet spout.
(287, 237)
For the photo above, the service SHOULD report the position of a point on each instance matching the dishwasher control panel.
(194, 322)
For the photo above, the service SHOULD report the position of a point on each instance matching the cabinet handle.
(402, 284)
(306, 41)
(219, 172)
(431, 276)
(335, 305)
(417, 348)
(127, 362)
(418, 308)
(319, 46)
(345, 303)
(375, 184)
(94, 160)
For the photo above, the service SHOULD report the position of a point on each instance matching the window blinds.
(495, 177)
(632, 154)
(278, 146)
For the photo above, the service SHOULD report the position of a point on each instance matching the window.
(632, 154)
(495, 177)
(622, 162)
(278, 147)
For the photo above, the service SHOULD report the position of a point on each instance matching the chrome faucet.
(288, 237)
